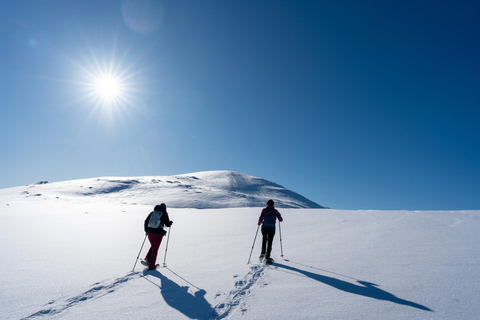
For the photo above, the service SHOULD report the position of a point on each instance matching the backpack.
(154, 221)
(270, 218)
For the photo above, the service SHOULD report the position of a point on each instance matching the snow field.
(72, 259)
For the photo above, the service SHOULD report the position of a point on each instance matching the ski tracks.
(233, 301)
(98, 290)
(236, 297)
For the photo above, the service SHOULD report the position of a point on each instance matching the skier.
(267, 219)
(154, 228)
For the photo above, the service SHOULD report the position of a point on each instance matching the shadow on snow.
(366, 289)
(194, 306)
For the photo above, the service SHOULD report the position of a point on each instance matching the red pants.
(155, 241)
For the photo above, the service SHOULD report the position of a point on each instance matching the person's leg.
(270, 235)
(156, 240)
(264, 242)
(149, 253)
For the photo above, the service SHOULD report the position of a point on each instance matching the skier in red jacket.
(267, 219)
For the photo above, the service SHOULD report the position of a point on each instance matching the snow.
(203, 190)
(72, 257)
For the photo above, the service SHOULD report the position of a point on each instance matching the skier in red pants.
(154, 228)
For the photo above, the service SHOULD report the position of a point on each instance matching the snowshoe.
(261, 258)
(144, 262)
(269, 261)
(155, 268)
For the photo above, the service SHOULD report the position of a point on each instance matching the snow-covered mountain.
(200, 190)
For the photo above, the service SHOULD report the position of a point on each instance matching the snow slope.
(201, 190)
(73, 259)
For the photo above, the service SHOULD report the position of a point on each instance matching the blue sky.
(353, 104)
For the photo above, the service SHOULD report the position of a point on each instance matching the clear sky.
(353, 104)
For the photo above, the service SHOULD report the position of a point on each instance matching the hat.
(270, 202)
(162, 207)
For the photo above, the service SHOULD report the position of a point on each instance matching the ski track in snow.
(237, 296)
(234, 300)
(99, 290)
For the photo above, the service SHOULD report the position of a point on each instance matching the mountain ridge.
(200, 190)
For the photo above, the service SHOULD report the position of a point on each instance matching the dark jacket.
(164, 220)
(268, 218)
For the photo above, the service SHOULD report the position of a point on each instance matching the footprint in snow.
(235, 299)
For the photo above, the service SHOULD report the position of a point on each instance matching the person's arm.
(166, 220)
(145, 225)
(262, 215)
(279, 217)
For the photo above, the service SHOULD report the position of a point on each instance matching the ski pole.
(139, 252)
(166, 247)
(280, 230)
(253, 245)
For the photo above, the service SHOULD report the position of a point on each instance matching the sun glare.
(108, 87)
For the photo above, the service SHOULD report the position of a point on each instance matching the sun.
(108, 87)
(108, 84)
